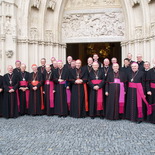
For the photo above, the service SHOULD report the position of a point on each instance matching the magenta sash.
(152, 85)
(47, 82)
(27, 92)
(17, 94)
(140, 97)
(23, 83)
(62, 82)
(121, 95)
(68, 92)
(99, 95)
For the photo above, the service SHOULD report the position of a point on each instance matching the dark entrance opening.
(84, 50)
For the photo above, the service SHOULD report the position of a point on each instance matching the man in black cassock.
(17, 69)
(1, 94)
(54, 66)
(137, 108)
(88, 67)
(23, 90)
(96, 81)
(10, 101)
(36, 101)
(150, 89)
(115, 92)
(140, 62)
(106, 67)
(129, 56)
(48, 91)
(52, 60)
(96, 59)
(60, 77)
(79, 96)
(41, 69)
(126, 68)
(68, 64)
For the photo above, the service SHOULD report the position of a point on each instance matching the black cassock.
(60, 107)
(93, 100)
(41, 69)
(16, 71)
(10, 105)
(78, 105)
(150, 86)
(112, 100)
(49, 94)
(1, 95)
(131, 102)
(67, 66)
(23, 95)
(106, 70)
(36, 104)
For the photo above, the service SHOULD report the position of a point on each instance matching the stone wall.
(32, 29)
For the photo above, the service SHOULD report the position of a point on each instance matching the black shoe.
(92, 117)
(139, 122)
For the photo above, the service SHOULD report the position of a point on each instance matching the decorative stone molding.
(48, 35)
(51, 5)
(138, 32)
(152, 29)
(36, 4)
(0, 53)
(93, 25)
(76, 4)
(9, 53)
(7, 25)
(33, 34)
(135, 2)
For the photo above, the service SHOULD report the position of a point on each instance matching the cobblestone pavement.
(43, 135)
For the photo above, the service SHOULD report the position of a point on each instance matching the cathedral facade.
(33, 29)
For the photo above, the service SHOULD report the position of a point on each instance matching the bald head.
(69, 59)
(115, 67)
(10, 69)
(23, 67)
(78, 63)
(95, 65)
(48, 67)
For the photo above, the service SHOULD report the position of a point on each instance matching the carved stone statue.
(36, 4)
(51, 5)
(9, 53)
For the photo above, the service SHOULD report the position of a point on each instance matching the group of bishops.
(96, 90)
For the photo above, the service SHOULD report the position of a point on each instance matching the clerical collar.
(135, 71)
(96, 70)
(106, 66)
(116, 72)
